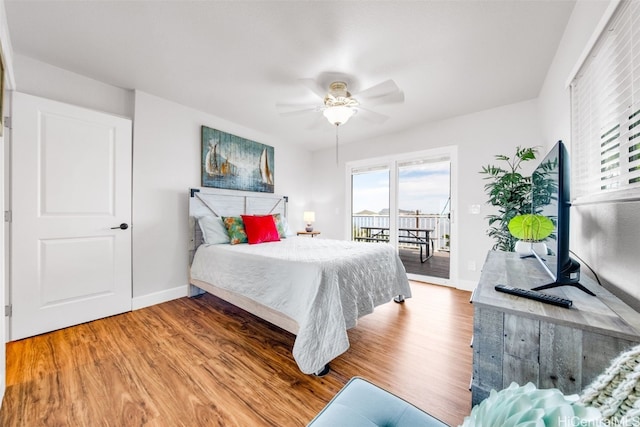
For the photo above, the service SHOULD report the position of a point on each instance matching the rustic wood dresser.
(521, 340)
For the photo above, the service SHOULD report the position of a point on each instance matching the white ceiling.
(236, 59)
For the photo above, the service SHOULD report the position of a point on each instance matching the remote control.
(535, 295)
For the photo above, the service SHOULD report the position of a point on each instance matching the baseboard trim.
(159, 297)
(467, 285)
(463, 285)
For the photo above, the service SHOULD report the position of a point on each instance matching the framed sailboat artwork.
(235, 163)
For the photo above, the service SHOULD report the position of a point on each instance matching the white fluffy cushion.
(528, 406)
(213, 230)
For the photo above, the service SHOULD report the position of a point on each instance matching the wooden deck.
(436, 266)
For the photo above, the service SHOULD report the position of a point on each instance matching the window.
(605, 109)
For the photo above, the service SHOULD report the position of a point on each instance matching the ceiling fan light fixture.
(339, 114)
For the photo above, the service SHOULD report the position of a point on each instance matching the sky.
(423, 187)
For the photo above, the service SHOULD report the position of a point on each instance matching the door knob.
(122, 226)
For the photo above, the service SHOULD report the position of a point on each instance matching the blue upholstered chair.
(362, 404)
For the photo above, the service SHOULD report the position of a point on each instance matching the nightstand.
(308, 233)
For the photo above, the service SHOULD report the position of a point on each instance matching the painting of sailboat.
(211, 159)
(265, 170)
(232, 162)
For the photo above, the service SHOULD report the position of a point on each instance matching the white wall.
(606, 236)
(478, 136)
(166, 162)
(47, 81)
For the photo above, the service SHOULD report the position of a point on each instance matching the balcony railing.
(440, 225)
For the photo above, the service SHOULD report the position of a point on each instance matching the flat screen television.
(550, 197)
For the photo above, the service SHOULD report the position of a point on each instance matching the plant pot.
(525, 249)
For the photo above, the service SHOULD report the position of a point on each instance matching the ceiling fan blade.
(298, 112)
(371, 116)
(386, 92)
(313, 86)
(285, 109)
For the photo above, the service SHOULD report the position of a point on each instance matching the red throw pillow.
(260, 229)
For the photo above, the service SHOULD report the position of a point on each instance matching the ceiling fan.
(339, 105)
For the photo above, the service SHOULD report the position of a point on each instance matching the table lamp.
(309, 217)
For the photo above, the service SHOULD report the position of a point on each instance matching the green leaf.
(526, 153)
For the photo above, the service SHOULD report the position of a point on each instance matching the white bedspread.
(324, 285)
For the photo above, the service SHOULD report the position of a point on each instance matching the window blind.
(605, 112)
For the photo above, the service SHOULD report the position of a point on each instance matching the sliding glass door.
(406, 201)
(423, 216)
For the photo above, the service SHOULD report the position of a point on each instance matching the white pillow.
(287, 230)
(213, 230)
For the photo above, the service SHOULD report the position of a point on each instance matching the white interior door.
(71, 185)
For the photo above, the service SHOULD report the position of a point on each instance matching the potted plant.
(510, 191)
(531, 230)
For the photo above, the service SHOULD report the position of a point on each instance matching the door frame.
(392, 161)
(121, 128)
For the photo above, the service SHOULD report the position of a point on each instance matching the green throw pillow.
(235, 228)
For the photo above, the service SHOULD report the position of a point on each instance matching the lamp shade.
(309, 216)
(339, 114)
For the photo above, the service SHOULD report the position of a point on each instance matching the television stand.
(522, 340)
(557, 285)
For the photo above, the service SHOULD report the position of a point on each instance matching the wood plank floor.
(203, 362)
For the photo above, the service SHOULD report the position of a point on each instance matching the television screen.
(550, 197)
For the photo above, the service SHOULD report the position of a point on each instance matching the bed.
(314, 288)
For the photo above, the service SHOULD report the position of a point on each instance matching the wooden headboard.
(220, 202)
